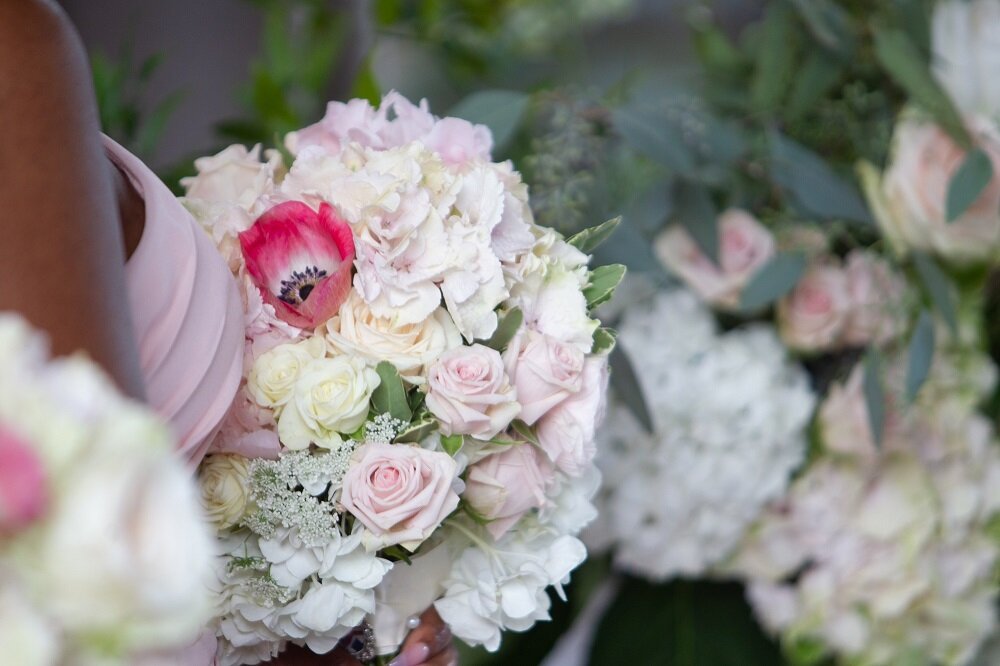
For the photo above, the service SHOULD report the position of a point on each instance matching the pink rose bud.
(878, 309)
(400, 493)
(813, 317)
(505, 486)
(745, 245)
(470, 394)
(544, 371)
(24, 493)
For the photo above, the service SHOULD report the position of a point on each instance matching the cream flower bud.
(272, 378)
(224, 481)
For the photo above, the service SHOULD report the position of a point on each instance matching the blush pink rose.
(814, 316)
(400, 493)
(505, 486)
(544, 371)
(745, 245)
(24, 495)
(567, 433)
(470, 394)
(877, 295)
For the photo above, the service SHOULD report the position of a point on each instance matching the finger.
(447, 658)
(427, 641)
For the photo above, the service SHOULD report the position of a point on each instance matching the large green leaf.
(776, 59)
(938, 287)
(774, 279)
(681, 623)
(694, 210)
(969, 181)
(500, 110)
(506, 330)
(920, 355)
(813, 185)
(829, 23)
(390, 395)
(647, 132)
(874, 395)
(626, 385)
(903, 61)
(818, 75)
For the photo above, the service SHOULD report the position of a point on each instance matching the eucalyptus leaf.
(604, 341)
(776, 59)
(648, 133)
(500, 110)
(694, 210)
(908, 67)
(874, 395)
(819, 74)
(920, 355)
(812, 184)
(452, 444)
(390, 395)
(589, 239)
(939, 287)
(774, 279)
(506, 330)
(602, 284)
(829, 23)
(968, 183)
(626, 386)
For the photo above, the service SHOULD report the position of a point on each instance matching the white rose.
(357, 331)
(967, 53)
(909, 199)
(553, 303)
(470, 394)
(331, 397)
(224, 481)
(233, 176)
(127, 553)
(272, 378)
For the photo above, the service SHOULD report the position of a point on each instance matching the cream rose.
(505, 486)
(224, 481)
(813, 317)
(877, 294)
(567, 433)
(909, 199)
(744, 247)
(400, 493)
(544, 371)
(233, 176)
(470, 394)
(272, 378)
(331, 398)
(409, 347)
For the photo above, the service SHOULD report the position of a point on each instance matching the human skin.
(62, 235)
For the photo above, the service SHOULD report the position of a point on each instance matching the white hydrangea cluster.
(878, 554)
(730, 414)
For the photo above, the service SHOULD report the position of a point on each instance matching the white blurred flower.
(730, 414)
(966, 47)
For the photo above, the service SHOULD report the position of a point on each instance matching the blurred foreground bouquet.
(423, 382)
(832, 192)
(103, 550)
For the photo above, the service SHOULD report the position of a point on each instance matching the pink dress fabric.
(186, 312)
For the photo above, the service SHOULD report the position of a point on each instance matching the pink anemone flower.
(301, 261)
(24, 495)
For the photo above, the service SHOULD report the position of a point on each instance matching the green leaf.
(903, 61)
(714, 48)
(812, 184)
(689, 617)
(589, 239)
(969, 181)
(818, 76)
(829, 23)
(390, 396)
(419, 428)
(396, 554)
(939, 287)
(524, 430)
(694, 210)
(874, 395)
(452, 444)
(500, 110)
(775, 58)
(603, 282)
(920, 355)
(648, 133)
(506, 330)
(626, 385)
(774, 279)
(604, 341)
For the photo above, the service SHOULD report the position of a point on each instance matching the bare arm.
(61, 249)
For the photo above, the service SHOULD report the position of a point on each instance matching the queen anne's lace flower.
(729, 415)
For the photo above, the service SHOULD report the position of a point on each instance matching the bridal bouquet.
(423, 383)
(103, 550)
(835, 211)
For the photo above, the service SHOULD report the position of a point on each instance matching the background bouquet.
(423, 384)
(103, 549)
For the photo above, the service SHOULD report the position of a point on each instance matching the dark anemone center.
(296, 289)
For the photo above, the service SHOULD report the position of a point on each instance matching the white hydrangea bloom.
(730, 414)
(877, 554)
(499, 587)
